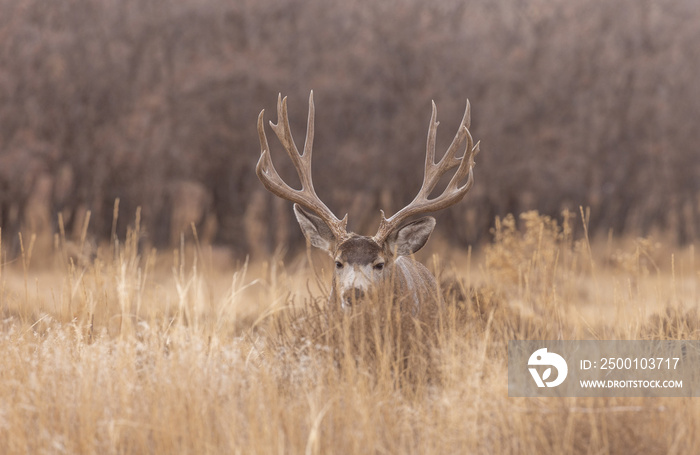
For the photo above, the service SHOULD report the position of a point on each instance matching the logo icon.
(543, 358)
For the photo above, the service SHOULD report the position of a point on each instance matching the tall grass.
(141, 352)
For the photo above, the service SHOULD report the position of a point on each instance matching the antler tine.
(453, 193)
(265, 169)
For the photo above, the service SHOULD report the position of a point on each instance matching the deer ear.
(315, 230)
(411, 237)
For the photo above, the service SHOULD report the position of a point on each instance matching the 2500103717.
(632, 363)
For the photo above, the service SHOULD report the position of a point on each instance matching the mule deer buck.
(369, 266)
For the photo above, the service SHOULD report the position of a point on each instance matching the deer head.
(365, 264)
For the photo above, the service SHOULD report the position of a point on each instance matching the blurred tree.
(576, 102)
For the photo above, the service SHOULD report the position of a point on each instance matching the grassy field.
(135, 353)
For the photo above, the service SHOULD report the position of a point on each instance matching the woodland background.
(576, 102)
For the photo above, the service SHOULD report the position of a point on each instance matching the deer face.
(362, 266)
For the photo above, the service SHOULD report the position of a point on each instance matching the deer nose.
(352, 296)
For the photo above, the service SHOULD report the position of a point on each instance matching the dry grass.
(148, 353)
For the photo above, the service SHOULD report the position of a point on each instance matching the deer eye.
(379, 267)
(338, 265)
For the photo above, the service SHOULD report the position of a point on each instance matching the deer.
(382, 264)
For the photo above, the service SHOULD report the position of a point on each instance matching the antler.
(433, 172)
(306, 197)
